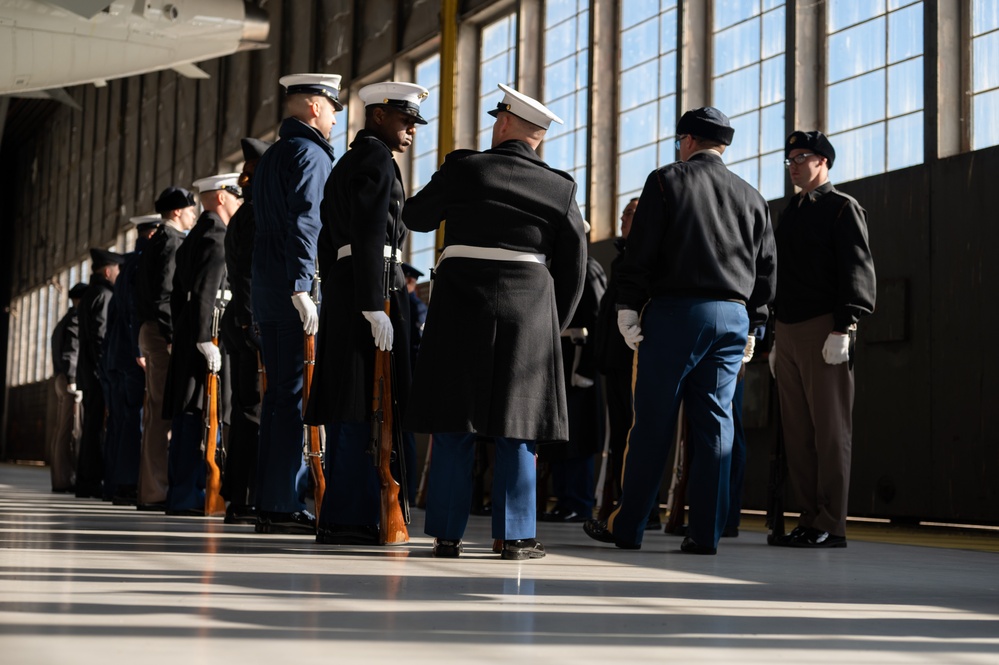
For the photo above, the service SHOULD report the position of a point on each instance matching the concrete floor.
(85, 582)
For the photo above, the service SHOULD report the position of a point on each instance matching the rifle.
(214, 504)
(312, 448)
(392, 524)
(676, 501)
(778, 478)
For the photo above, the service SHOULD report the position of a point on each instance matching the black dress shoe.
(300, 522)
(158, 507)
(690, 546)
(597, 530)
(447, 549)
(186, 512)
(654, 525)
(562, 515)
(94, 492)
(730, 532)
(125, 495)
(680, 530)
(518, 550)
(814, 539)
(240, 514)
(347, 534)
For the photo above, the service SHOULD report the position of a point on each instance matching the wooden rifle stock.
(312, 448)
(677, 500)
(214, 504)
(775, 484)
(392, 524)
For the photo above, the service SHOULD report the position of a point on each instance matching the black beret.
(706, 123)
(174, 198)
(410, 271)
(254, 148)
(102, 257)
(77, 290)
(814, 141)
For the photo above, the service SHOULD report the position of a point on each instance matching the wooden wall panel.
(335, 24)
(73, 244)
(166, 119)
(98, 223)
(63, 249)
(129, 147)
(265, 70)
(42, 218)
(183, 134)
(87, 165)
(234, 73)
(146, 182)
(420, 21)
(376, 36)
(299, 19)
(206, 130)
(114, 218)
(49, 245)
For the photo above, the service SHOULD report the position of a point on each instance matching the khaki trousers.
(65, 439)
(155, 429)
(816, 404)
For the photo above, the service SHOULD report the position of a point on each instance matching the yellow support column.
(448, 108)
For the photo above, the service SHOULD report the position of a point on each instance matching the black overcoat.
(93, 317)
(199, 276)
(66, 345)
(490, 359)
(154, 279)
(362, 208)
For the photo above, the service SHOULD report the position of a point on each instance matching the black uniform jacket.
(825, 260)
(700, 231)
(154, 279)
(612, 353)
(66, 345)
(362, 208)
(491, 360)
(93, 327)
(121, 342)
(199, 276)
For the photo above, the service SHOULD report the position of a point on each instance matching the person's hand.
(307, 312)
(631, 330)
(212, 355)
(773, 359)
(836, 350)
(381, 329)
(71, 389)
(141, 362)
(747, 354)
(580, 381)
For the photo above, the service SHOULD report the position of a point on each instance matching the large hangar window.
(497, 64)
(424, 155)
(566, 87)
(748, 85)
(647, 93)
(874, 78)
(985, 73)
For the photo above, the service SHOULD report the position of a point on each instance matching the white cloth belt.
(224, 295)
(345, 251)
(488, 253)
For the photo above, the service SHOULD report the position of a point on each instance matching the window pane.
(560, 78)
(748, 170)
(986, 62)
(859, 153)
(857, 101)
(667, 120)
(560, 41)
(634, 11)
(639, 44)
(729, 12)
(558, 10)
(738, 92)
(736, 47)
(857, 50)
(635, 167)
(774, 40)
(667, 32)
(986, 16)
(773, 81)
(772, 175)
(638, 127)
(558, 152)
(497, 38)
(905, 141)
(746, 142)
(905, 87)
(905, 33)
(986, 120)
(635, 88)
(843, 13)
(772, 128)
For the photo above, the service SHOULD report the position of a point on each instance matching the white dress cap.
(405, 97)
(525, 108)
(327, 85)
(226, 181)
(146, 219)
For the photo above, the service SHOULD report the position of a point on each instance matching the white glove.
(71, 388)
(631, 330)
(773, 359)
(212, 355)
(78, 397)
(836, 350)
(306, 311)
(747, 354)
(580, 381)
(381, 329)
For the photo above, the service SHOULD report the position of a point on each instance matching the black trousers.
(619, 415)
(90, 465)
(239, 480)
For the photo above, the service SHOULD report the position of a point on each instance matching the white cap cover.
(525, 108)
(327, 85)
(405, 97)
(226, 181)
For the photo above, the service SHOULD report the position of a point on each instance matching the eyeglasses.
(798, 159)
(679, 140)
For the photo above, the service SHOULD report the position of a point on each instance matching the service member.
(287, 191)
(826, 282)
(362, 235)
(198, 285)
(90, 376)
(699, 267)
(65, 355)
(490, 360)
(153, 286)
(242, 344)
